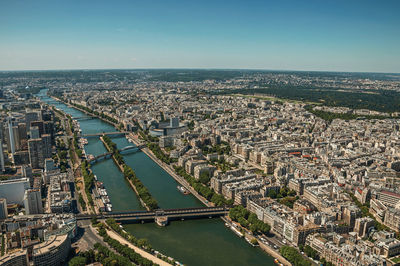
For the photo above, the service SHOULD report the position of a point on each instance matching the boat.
(249, 241)
(236, 231)
(183, 190)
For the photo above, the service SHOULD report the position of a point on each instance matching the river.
(192, 242)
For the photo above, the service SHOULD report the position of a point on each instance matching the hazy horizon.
(200, 69)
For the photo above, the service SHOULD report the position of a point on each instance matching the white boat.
(248, 241)
(236, 231)
(183, 190)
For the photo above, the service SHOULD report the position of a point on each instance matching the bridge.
(83, 118)
(105, 133)
(156, 215)
(109, 154)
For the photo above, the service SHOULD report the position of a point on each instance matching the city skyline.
(360, 36)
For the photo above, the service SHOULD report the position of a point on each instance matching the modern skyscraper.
(22, 135)
(40, 125)
(46, 115)
(33, 201)
(3, 208)
(2, 163)
(11, 137)
(46, 140)
(29, 117)
(174, 122)
(35, 134)
(17, 141)
(27, 172)
(36, 153)
(49, 129)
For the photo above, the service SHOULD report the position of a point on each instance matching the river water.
(192, 242)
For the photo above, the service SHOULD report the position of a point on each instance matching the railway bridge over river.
(109, 154)
(160, 216)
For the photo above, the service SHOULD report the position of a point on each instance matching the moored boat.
(183, 190)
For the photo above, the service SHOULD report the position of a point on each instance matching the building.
(300, 233)
(46, 144)
(11, 137)
(21, 157)
(389, 198)
(30, 117)
(33, 202)
(2, 162)
(3, 208)
(40, 125)
(362, 225)
(34, 133)
(392, 219)
(174, 122)
(166, 141)
(54, 251)
(350, 214)
(303, 206)
(203, 169)
(49, 165)
(13, 190)
(36, 153)
(387, 247)
(19, 258)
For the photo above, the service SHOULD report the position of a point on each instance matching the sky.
(320, 35)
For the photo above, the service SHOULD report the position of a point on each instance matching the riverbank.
(75, 163)
(121, 168)
(150, 154)
(140, 251)
(171, 172)
(218, 245)
(85, 112)
(266, 248)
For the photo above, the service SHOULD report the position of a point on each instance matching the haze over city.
(360, 36)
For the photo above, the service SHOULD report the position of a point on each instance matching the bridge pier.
(161, 220)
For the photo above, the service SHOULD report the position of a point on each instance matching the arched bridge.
(109, 154)
(150, 216)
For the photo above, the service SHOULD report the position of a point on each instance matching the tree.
(204, 178)
(77, 261)
(272, 194)
(243, 222)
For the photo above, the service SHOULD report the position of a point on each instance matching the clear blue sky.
(289, 35)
